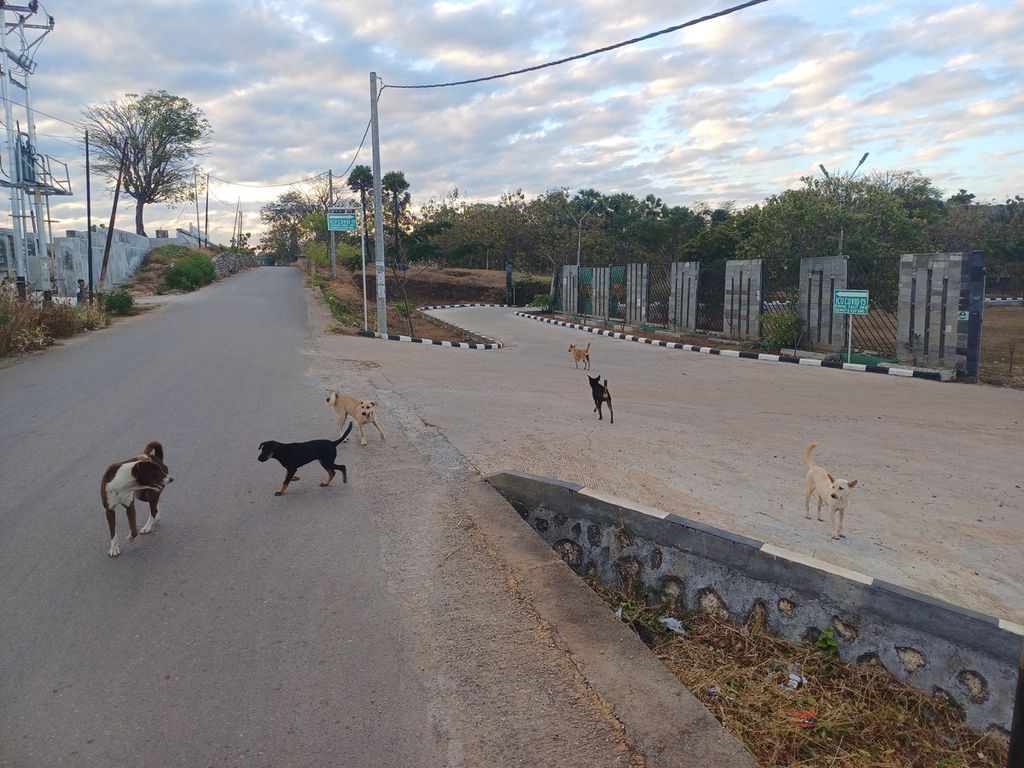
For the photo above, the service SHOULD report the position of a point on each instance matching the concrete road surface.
(939, 506)
(408, 618)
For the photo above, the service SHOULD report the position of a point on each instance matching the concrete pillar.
(682, 306)
(570, 289)
(742, 306)
(940, 311)
(819, 277)
(636, 293)
(600, 290)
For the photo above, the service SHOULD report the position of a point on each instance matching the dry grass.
(1002, 340)
(843, 715)
(24, 327)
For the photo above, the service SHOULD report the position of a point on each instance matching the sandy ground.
(939, 508)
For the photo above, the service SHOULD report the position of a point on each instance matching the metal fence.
(653, 296)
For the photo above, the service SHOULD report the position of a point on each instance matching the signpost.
(347, 220)
(849, 302)
(342, 221)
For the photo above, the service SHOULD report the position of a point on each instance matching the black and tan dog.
(294, 455)
(601, 395)
(142, 478)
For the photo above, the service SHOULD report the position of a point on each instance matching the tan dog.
(830, 490)
(361, 411)
(579, 354)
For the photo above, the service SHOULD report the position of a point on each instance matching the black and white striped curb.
(459, 328)
(905, 372)
(1005, 301)
(430, 342)
(458, 306)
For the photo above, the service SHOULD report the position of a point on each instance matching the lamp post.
(842, 195)
(579, 230)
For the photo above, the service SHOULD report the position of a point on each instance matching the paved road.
(377, 623)
(939, 508)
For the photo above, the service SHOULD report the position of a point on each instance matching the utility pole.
(579, 229)
(206, 226)
(382, 298)
(113, 214)
(195, 194)
(21, 257)
(330, 202)
(88, 213)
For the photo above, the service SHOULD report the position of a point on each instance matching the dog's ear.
(853, 483)
(830, 478)
(373, 403)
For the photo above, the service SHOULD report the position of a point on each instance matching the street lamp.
(579, 229)
(842, 195)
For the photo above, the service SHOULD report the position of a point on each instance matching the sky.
(730, 110)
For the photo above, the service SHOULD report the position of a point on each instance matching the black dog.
(601, 395)
(294, 455)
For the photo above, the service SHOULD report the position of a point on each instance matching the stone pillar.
(600, 290)
(682, 306)
(819, 277)
(940, 310)
(636, 293)
(570, 289)
(742, 307)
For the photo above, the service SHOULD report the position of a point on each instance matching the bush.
(119, 302)
(63, 320)
(541, 300)
(782, 329)
(190, 273)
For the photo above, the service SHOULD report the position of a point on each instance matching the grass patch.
(25, 327)
(843, 715)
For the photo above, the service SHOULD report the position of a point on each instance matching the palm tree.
(396, 189)
(361, 181)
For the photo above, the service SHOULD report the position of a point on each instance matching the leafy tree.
(165, 135)
(286, 226)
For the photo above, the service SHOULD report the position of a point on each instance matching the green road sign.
(342, 222)
(847, 302)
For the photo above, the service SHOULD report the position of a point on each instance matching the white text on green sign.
(342, 222)
(849, 302)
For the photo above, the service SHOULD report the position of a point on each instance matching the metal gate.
(711, 296)
(875, 334)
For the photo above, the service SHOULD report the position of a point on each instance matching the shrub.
(190, 273)
(62, 320)
(540, 300)
(119, 302)
(782, 329)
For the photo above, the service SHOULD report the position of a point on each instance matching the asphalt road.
(408, 618)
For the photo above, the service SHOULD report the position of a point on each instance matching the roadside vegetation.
(25, 327)
(799, 705)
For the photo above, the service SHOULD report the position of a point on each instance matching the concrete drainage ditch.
(951, 653)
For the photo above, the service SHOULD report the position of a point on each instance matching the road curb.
(487, 344)
(860, 368)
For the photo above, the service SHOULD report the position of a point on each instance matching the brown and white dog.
(143, 478)
(830, 490)
(361, 411)
(580, 355)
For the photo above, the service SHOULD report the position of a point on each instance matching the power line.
(358, 149)
(692, 22)
(267, 186)
(40, 112)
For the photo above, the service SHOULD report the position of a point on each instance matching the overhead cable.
(667, 30)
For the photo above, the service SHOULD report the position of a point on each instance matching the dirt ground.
(1002, 346)
(939, 507)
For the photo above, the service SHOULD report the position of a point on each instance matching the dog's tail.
(153, 448)
(347, 430)
(588, 346)
(807, 453)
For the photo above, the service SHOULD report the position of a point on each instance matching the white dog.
(830, 490)
(361, 411)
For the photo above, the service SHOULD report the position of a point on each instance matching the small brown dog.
(361, 411)
(830, 490)
(579, 354)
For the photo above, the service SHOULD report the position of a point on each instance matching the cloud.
(737, 108)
